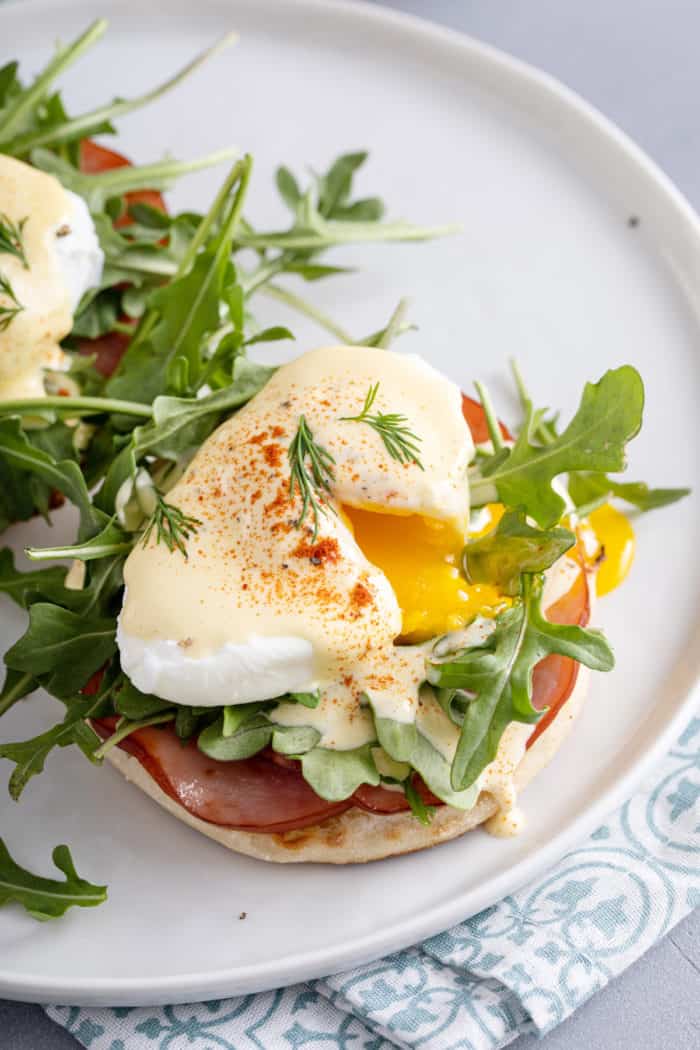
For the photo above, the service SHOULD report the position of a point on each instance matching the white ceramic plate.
(547, 269)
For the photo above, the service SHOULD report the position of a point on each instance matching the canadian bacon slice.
(253, 794)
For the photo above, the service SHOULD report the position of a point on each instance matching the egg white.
(63, 261)
(79, 255)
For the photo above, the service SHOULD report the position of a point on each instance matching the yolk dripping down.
(420, 558)
(616, 538)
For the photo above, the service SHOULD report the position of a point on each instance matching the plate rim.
(243, 979)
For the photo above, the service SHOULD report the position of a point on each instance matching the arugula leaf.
(512, 548)
(110, 541)
(135, 705)
(97, 314)
(26, 587)
(20, 106)
(23, 491)
(269, 335)
(306, 699)
(336, 775)
(87, 124)
(403, 742)
(498, 674)
(294, 740)
(66, 646)
(242, 730)
(102, 586)
(589, 489)
(9, 83)
(252, 735)
(189, 720)
(180, 425)
(29, 756)
(47, 898)
(98, 189)
(169, 347)
(609, 415)
(234, 715)
(64, 475)
(16, 496)
(325, 214)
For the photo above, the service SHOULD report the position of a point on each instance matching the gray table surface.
(637, 61)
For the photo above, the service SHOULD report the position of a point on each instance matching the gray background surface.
(637, 60)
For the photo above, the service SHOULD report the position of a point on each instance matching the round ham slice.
(254, 794)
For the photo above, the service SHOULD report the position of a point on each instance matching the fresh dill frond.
(8, 313)
(171, 526)
(12, 238)
(311, 467)
(399, 440)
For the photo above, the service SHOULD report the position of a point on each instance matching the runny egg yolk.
(616, 538)
(420, 557)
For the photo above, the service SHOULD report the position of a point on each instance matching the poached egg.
(63, 260)
(261, 606)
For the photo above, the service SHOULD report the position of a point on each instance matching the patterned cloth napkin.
(521, 966)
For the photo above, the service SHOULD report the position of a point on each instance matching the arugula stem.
(525, 399)
(79, 126)
(83, 552)
(16, 112)
(340, 232)
(74, 406)
(118, 181)
(302, 306)
(150, 318)
(145, 262)
(491, 419)
(209, 219)
(541, 429)
(394, 326)
(587, 508)
(245, 168)
(241, 170)
(264, 272)
(126, 728)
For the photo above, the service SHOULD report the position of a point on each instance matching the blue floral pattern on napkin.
(521, 966)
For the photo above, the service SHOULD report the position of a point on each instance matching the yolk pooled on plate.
(615, 535)
(420, 557)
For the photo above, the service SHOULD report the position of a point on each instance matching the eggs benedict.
(313, 610)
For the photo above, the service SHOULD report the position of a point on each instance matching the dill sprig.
(399, 441)
(11, 238)
(171, 526)
(8, 313)
(311, 467)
